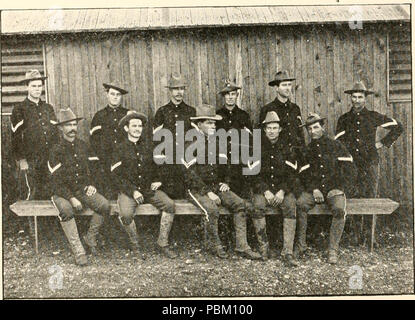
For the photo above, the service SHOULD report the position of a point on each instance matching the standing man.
(73, 168)
(234, 118)
(356, 129)
(105, 133)
(288, 112)
(275, 185)
(133, 169)
(33, 134)
(328, 174)
(169, 117)
(208, 183)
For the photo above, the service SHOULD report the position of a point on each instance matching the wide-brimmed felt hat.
(66, 115)
(271, 117)
(206, 112)
(229, 87)
(280, 76)
(176, 81)
(359, 86)
(132, 114)
(114, 85)
(33, 75)
(313, 118)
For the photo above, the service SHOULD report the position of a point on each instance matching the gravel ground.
(114, 273)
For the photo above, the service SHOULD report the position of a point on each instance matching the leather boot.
(241, 242)
(71, 232)
(91, 237)
(131, 230)
(289, 226)
(336, 231)
(261, 233)
(301, 233)
(166, 222)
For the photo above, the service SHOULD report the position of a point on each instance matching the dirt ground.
(114, 273)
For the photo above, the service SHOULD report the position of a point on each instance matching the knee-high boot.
(71, 232)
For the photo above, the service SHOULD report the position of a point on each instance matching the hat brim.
(33, 79)
(216, 118)
(110, 86)
(177, 86)
(265, 123)
(226, 90)
(127, 118)
(274, 82)
(362, 91)
(70, 120)
(313, 122)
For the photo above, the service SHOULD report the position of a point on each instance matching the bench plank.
(44, 208)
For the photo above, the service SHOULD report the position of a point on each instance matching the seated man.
(327, 172)
(72, 167)
(208, 185)
(274, 187)
(133, 170)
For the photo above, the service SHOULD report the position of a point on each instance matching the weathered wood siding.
(326, 60)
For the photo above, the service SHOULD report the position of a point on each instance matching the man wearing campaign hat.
(356, 129)
(328, 174)
(136, 177)
(32, 135)
(174, 116)
(73, 168)
(288, 112)
(105, 133)
(275, 186)
(208, 183)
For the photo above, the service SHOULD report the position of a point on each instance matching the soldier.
(133, 170)
(288, 112)
(356, 129)
(72, 168)
(234, 118)
(33, 134)
(168, 117)
(105, 133)
(208, 184)
(327, 173)
(275, 185)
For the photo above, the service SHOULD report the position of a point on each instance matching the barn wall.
(326, 60)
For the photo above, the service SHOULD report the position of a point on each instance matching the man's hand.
(379, 145)
(155, 185)
(318, 196)
(269, 196)
(214, 197)
(279, 197)
(224, 187)
(76, 204)
(90, 191)
(138, 197)
(23, 165)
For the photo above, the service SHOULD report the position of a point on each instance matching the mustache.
(73, 131)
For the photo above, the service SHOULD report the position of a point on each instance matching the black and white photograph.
(238, 151)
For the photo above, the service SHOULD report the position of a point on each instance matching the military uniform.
(167, 117)
(209, 177)
(105, 135)
(72, 167)
(290, 117)
(239, 120)
(132, 170)
(357, 131)
(328, 167)
(33, 134)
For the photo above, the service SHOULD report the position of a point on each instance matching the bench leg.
(372, 240)
(36, 238)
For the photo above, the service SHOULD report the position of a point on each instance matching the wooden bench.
(45, 208)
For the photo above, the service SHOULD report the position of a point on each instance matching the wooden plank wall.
(325, 60)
